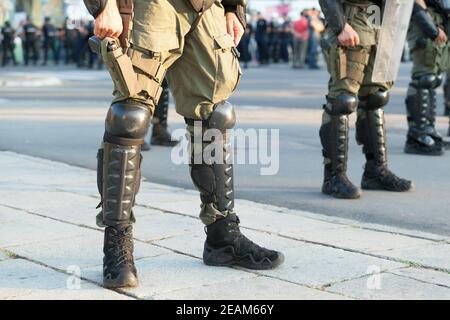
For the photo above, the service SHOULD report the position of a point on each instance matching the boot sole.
(121, 282)
(376, 186)
(210, 258)
(340, 196)
(410, 150)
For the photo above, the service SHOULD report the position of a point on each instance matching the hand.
(442, 37)
(234, 27)
(348, 37)
(109, 22)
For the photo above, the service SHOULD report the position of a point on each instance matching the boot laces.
(121, 247)
(244, 245)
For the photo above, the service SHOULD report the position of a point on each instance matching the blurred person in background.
(300, 30)
(285, 36)
(316, 27)
(30, 36)
(261, 39)
(69, 41)
(244, 47)
(50, 34)
(273, 42)
(8, 35)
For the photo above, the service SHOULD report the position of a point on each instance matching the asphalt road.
(65, 122)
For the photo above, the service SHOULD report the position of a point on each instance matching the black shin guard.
(334, 135)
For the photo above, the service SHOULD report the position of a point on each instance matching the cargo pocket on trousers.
(355, 63)
(228, 70)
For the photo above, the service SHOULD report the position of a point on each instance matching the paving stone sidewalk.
(50, 247)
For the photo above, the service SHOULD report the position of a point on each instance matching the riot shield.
(391, 42)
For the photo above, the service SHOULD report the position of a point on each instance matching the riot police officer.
(429, 47)
(193, 40)
(50, 34)
(30, 42)
(350, 54)
(8, 34)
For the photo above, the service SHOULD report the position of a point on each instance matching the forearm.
(334, 14)
(95, 7)
(424, 20)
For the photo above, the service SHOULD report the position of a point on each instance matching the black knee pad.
(223, 117)
(343, 104)
(427, 81)
(375, 100)
(438, 82)
(127, 122)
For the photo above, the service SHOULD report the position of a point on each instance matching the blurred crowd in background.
(31, 45)
(266, 41)
(285, 40)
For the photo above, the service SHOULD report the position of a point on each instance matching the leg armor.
(119, 161)
(214, 180)
(334, 137)
(431, 116)
(418, 102)
(447, 95)
(371, 133)
(225, 245)
(370, 126)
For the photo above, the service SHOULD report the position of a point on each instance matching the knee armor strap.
(127, 123)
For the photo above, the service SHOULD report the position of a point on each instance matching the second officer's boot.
(334, 135)
(212, 175)
(371, 133)
(118, 182)
(418, 101)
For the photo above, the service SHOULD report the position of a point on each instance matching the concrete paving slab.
(25, 228)
(354, 238)
(81, 251)
(21, 279)
(426, 275)
(157, 225)
(435, 255)
(390, 286)
(259, 288)
(175, 272)
(315, 265)
(65, 206)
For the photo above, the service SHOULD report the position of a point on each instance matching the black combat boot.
(371, 133)
(334, 134)
(420, 134)
(118, 177)
(377, 176)
(225, 245)
(118, 263)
